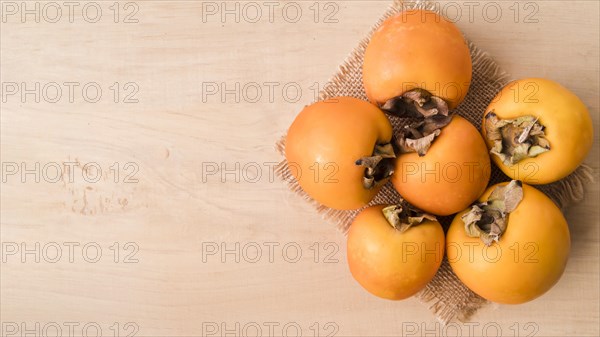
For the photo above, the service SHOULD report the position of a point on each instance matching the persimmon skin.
(532, 252)
(390, 264)
(323, 144)
(568, 128)
(453, 173)
(417, 48)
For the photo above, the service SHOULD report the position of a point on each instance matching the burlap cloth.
(445, 295)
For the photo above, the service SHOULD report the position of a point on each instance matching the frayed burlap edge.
(445, 295)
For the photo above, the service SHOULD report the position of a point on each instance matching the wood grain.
(180, 144)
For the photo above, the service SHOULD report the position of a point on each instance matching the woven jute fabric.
(445, 295)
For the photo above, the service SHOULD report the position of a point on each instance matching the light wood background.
(171, 210)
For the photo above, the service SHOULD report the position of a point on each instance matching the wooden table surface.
(138, 195)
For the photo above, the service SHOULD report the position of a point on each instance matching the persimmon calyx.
(515, 139)
(431, 114)
(404, 216)
(378, 167)
(487, 220)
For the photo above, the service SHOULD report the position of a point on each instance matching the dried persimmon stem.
(515, 139)
(379, 166)
(431, 113)
(488, 220)
(403, 216)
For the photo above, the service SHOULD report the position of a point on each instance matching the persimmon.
(452, 173)
(417, 49)
(394, 251)
(339, 151)
(512, 246)
(537, 130)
